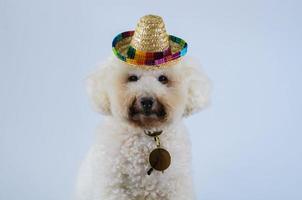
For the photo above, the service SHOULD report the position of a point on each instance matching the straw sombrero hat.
(149, 45)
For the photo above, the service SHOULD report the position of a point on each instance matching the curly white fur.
(116, 165)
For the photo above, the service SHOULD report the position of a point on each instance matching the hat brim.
(121, 45)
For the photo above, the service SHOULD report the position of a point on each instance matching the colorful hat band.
(137, 57)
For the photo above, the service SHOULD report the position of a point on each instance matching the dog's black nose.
(147, 103)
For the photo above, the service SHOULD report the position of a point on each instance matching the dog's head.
(148, 98)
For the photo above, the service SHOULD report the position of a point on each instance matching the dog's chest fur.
(131, 166)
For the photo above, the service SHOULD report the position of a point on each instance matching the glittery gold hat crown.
(149, 44)
(150, 34)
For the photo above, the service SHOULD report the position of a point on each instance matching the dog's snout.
(147, 103)
(146, 109)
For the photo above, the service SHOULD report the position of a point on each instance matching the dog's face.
(147, 98)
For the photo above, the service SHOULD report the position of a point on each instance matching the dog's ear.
(97, 89)
(198, 87)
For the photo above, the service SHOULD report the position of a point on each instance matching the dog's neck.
(167, 128)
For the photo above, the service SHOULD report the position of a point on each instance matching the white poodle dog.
(134, 100)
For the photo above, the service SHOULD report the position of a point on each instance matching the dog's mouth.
(147, 112)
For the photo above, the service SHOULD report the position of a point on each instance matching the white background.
(246, 145)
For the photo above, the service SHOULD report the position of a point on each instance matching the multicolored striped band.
(137, 57)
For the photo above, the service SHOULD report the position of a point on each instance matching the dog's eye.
(163, 79)
(132, 78)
